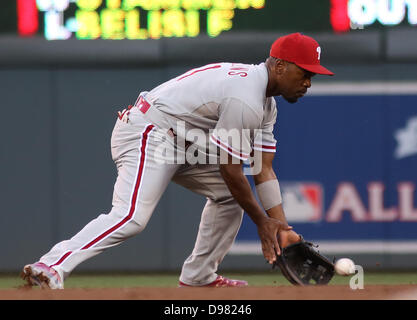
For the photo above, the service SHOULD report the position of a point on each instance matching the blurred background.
(346, 156)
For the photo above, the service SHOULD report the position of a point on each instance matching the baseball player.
(198, 130)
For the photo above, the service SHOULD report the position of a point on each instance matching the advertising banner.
(347, 166)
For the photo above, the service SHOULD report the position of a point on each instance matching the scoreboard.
(144, 19)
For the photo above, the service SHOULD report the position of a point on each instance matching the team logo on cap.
(318, 52)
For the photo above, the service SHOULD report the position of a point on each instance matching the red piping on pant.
(132, 205)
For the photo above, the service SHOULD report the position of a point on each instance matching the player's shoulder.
(230, 72)
(245, 72)
(246, 82)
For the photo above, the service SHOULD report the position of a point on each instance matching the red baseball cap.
(301, 50)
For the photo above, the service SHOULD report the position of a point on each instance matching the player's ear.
(280, 66)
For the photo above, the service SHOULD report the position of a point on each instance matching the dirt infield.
(333, 292)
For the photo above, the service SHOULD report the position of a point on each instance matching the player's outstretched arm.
(268, 228)
(268, 190)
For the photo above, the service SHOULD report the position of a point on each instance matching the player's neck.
(272, 86)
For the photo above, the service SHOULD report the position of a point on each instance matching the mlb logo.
(302, 201)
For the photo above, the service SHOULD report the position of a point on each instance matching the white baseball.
(344, 267)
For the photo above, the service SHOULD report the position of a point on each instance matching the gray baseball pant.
(141, 181)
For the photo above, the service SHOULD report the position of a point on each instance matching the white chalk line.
(338, 247)
(363, 88)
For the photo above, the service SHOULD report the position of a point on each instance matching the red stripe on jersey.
(230, 150)
(265, 147)
(199, 70)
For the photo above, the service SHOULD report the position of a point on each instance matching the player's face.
(294, 82)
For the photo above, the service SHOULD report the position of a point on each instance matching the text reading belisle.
(139, 19)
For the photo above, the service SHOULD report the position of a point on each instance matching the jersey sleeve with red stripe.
(235, 129)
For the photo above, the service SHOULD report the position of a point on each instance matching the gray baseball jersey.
(218, 98)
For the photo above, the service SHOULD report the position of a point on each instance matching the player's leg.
(140, 183)
(220, 223)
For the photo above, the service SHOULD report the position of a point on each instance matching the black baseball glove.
(303, 265)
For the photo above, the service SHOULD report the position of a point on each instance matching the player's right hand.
(287, 237)
(268, 230)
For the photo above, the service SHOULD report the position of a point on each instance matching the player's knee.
(140, 223)
(230, 205)
(133, 228)
(139, 227)
(137, 223)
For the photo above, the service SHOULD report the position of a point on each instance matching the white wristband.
(269, 193)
